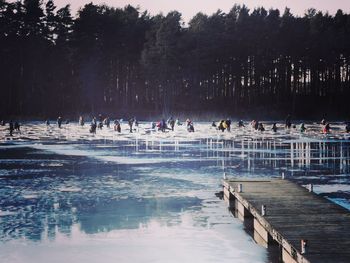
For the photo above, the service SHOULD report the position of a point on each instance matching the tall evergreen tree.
(120, 60)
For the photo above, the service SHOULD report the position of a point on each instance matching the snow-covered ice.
(148, 196)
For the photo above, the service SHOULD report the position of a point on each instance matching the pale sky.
(189, 8)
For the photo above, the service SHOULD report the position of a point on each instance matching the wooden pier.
(292, 214)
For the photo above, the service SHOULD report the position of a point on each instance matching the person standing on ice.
(302, 127)
(93, 121)
(228, 125)
(255, 124)
(190, 127)
(288, 122)
(326, 128)
(11, 128)
(93, 126)
(17, 126)
(261, 127)
(347, 127)
(172, 123)
(107, 122)
(162, 126)
(240, 124)
(59, 122)
(117, 127)
(100, 118)
(131, 122)
(169, 120)
(222, 125)
(274, 127)
(81, 121)
(100, 122)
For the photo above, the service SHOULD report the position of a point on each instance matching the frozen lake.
(149, 196)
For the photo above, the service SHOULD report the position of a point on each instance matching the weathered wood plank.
(293, 213)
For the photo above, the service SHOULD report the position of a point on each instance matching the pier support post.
(229, 198)
(287, 258)
(226, 194)
(242, 212)
(303, 246)
(261, 235)
(263, 210)
(240, 188)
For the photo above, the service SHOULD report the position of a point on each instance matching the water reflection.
(288, 155)
(108, 185)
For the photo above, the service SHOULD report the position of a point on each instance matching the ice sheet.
(148, 196)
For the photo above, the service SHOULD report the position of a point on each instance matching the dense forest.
(120, 60)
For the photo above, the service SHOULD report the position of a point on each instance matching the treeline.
(120, 60)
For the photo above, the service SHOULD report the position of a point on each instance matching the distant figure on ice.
(67, 121)
(100, 118)
(252, 124)
(274, 127)
(117, 127)
(347, 127)
(17, 127)
(131, 122)
(2, 123)
(93, 126)
(172, 124)
(302, 127)
(136, 123)
(59, 122)
(255, 124)
(288, 122)
(261, 127)
(327, 128)
(240, 124)
(107, 122)
(93, 121)
(323, 122)
(213, 124)
(190, 127)
(162, 125)
(47, 122)
(221, 126)
(11, 128)
(178, 122)
(228, 125)
(81, 121)
(100, 125)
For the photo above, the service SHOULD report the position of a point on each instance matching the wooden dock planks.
(293, 214)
